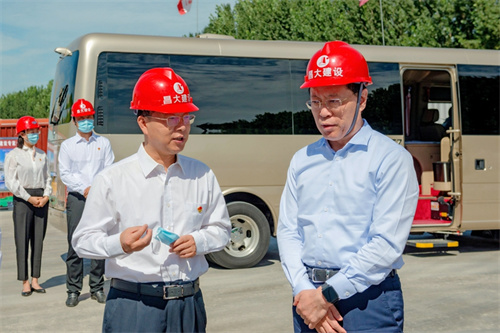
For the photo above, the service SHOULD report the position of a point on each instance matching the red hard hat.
(161, 90)
(26, 123)
(337, 63)
(82, 108)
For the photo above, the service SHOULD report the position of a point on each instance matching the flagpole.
(382, 21)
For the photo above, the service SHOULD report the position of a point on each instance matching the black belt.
(165, 290)
(323, 274)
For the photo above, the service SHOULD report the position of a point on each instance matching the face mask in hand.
(162, 236)
(86, 125)
(33, 138)
(166, 237)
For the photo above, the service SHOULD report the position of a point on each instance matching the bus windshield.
(63, 90)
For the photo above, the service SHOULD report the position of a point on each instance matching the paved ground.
(458, 291)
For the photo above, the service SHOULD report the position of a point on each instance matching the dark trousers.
(74, 264)
(378, 309)
(30, 226)
(130, 312)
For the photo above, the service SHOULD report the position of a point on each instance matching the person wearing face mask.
(81, 158)
(27, 177)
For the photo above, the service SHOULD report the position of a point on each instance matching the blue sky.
(30, 30)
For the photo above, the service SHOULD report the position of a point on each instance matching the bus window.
(383, 110)
(117, 74)
(238, 95)
(246, 95)
(479, 99)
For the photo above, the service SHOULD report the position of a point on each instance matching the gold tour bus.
(442, 105)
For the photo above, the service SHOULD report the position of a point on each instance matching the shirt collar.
(92, 137)
(148, 164)
(362, 137)
(359, 139)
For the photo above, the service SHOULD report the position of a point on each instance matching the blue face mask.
(33, 138)
(166, 237)
(86, 125)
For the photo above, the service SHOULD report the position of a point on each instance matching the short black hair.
(143, 113)
(354, 87)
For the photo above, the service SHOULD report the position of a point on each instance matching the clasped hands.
(132, 240)
(317, 312)
(38, 202)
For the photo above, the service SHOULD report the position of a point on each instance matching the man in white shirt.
(81, 157)
(139, 206)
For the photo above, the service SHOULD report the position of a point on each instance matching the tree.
(34, 101)
(429, 23)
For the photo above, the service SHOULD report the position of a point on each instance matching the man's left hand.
(311, 306)
(184, 247)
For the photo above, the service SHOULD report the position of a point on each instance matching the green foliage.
(34, 101)
(427, 23)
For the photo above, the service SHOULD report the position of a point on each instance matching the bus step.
(432, 243)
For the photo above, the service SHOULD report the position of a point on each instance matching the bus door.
(479, 87)
(430, 114)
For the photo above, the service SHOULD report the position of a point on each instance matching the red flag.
(183, 6)
(362, 2)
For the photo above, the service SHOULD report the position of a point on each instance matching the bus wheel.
(250, 237)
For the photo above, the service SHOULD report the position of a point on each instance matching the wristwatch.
(329, 293)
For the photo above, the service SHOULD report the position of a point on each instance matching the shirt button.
(325, 209)
(347, 294)
(319, 262)
(331, 184)
(320, 235)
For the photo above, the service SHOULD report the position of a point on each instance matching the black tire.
(250, 235)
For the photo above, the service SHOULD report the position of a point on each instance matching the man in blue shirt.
(347, 207)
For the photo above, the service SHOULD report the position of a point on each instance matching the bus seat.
(445, 149)
(429, 130)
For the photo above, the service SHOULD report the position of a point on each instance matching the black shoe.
(26, 293)
(40, 291)
(99, 296)
(72, 300)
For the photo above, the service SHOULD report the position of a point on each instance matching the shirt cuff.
(25, 196)
(199, 240)
(114, 246)
(304, 284)
(342, 285)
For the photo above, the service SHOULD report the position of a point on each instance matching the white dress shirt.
(80, 160)
(27, 168)
(185, 199)
(350, 209)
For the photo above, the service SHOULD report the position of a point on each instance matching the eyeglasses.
(330, 104)
(173, 121)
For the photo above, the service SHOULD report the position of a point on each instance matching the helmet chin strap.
(361, 86)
